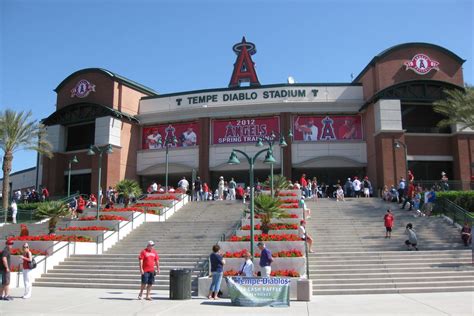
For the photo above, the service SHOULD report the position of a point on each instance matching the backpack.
(32, 264)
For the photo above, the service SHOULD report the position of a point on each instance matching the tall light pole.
(71, 161)
(99, 150)
(233, 160)
(271, 141)
(398, 144)
(169, 141)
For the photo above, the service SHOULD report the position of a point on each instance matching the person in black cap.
(5, 270)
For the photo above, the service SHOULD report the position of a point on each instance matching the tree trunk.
(7, 168)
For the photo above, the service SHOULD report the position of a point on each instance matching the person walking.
(217, 271)
(220, 188)
(246, 269)
(356, 184)
(412, 241)
(148, 259)
(232, 186)
(205, 190)
(5, 270)
(14, 207)
(466, 234)
(27, 257)
(388, 221)
(199, 194)
(266, 260)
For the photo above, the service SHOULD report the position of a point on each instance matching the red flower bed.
(282, 216)
(285, 273)
(52, 238)
(265, 237)
(162, 197)
(287, 194)
(18, 251)
(148, 205)
(280, 254)
(129, 209)
(88, 228)
(281, 273)
(276, 226)
(231, 273)
(293, 205)
(288, 201)
(104, 218)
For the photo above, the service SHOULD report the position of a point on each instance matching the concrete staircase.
(184, 241)
(352, 255)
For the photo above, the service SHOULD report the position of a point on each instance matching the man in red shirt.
(304, 185)
(148, 258)
(45, 194)
(81, 205)
(388, 221)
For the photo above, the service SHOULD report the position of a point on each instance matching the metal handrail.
(205, 267)
(454, 211)
(49, 255)
(118, 229)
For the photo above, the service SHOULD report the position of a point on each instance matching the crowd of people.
(31, 195)
(412, 195)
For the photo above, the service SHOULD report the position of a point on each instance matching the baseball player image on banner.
(186, 133)
(327, 128)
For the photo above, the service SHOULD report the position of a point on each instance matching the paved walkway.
(67, 301)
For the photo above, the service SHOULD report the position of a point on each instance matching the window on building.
(430, 170)
(80, 136)
(421, 118)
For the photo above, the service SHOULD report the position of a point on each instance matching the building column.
(285, 126)
(463, 159)
(204, 131)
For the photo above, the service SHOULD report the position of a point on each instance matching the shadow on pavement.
(217, 303)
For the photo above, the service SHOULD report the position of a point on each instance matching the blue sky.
(174, 46)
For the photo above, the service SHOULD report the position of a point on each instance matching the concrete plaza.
(70, 301)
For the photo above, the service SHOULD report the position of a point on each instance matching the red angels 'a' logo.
(421, 64)
(82, 89)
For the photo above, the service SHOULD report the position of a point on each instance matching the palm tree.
(267, 207)
(52, 210)
(279, 183)
(18, 131)
(458, 108)
(128, 189)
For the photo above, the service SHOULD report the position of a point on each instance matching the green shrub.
(464, 199)
(29, 206)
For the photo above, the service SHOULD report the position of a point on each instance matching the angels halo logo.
(82, 89)
(421, 64)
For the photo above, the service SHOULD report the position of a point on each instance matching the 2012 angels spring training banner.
(187, 135)
(327, 128)
(243, 130)
(249, 291)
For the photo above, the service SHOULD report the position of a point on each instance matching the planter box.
(246, 221)
(273, 246)
(16, 278)
(284, 263)
(270, 232)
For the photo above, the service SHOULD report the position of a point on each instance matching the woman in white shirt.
(305, 236)
(246, 269)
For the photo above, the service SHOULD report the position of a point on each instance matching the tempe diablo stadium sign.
(327, 128)
(243, 130)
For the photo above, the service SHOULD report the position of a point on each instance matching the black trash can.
(180, 284)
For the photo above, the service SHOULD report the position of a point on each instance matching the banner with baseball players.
(327, 128)
(244, 130)
(186, 135)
